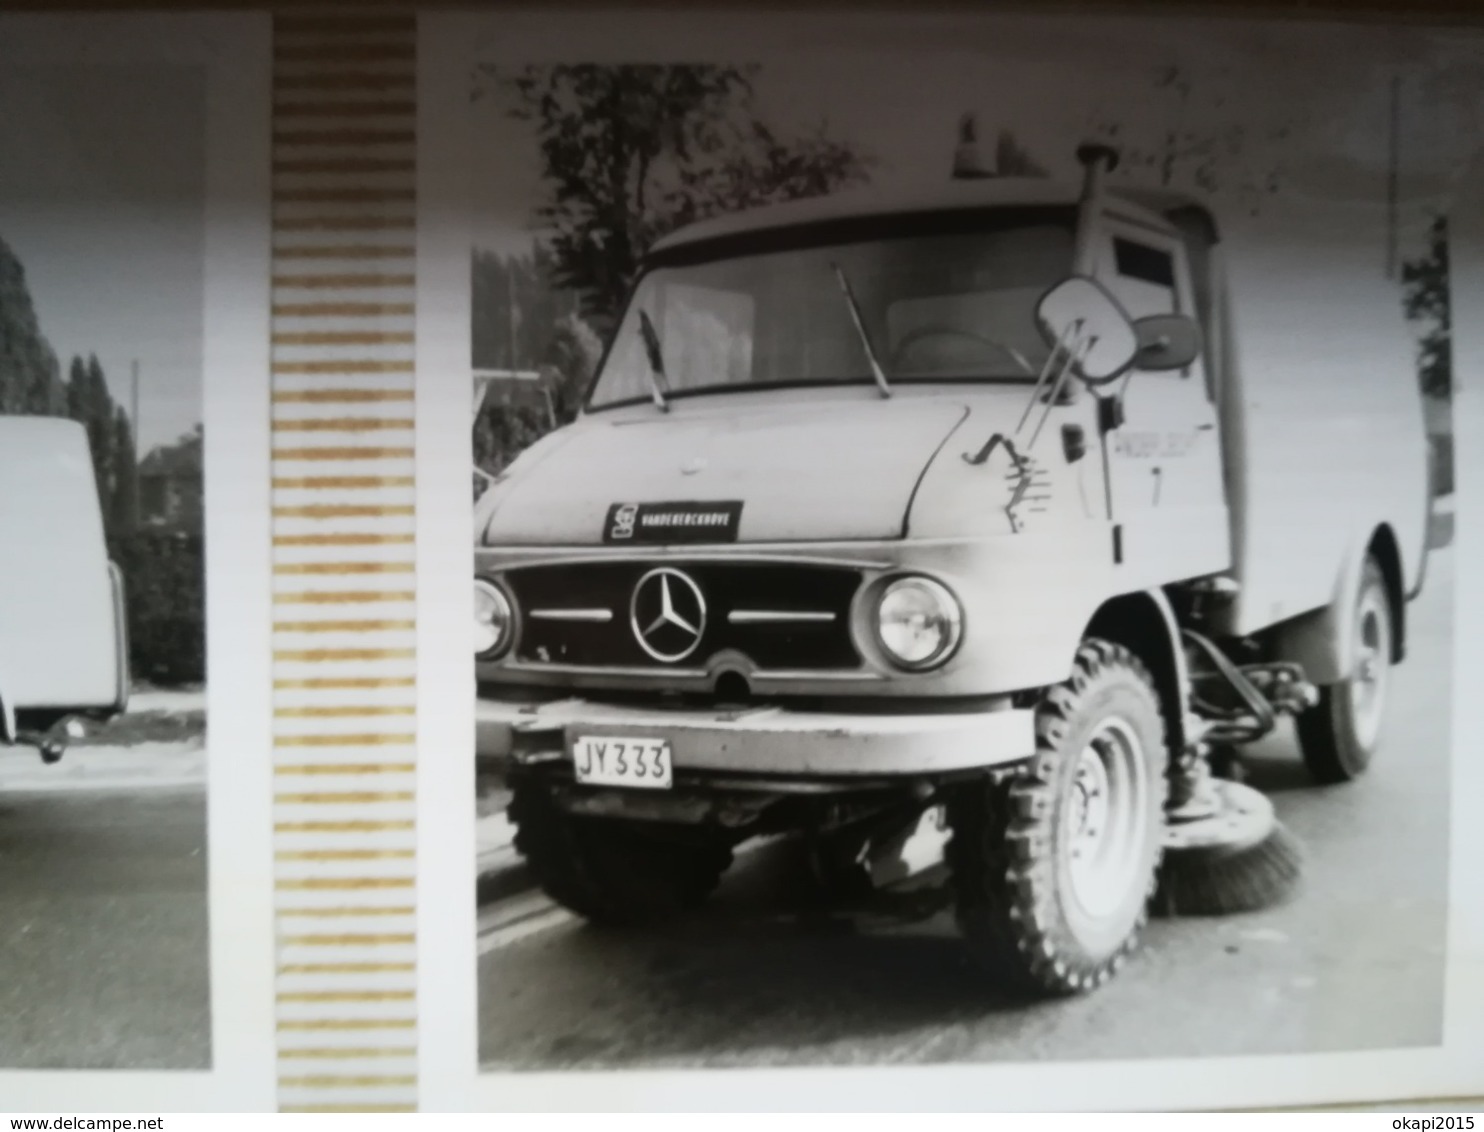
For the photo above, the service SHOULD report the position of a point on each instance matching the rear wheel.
(613, 871)
(1053, 871)
(1339, 735)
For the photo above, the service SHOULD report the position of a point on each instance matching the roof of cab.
(1145, 205)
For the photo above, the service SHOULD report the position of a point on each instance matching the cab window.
(1144, 278)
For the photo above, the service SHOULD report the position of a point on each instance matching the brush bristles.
(1220, 881)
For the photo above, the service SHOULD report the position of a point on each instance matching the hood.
(826, 469)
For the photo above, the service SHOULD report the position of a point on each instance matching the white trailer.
(63, 640)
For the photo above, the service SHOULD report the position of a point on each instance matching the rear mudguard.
(120, 638)
(1322, 640)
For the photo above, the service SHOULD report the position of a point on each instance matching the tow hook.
(51, 744)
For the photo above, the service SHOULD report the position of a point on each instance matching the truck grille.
(780, 616)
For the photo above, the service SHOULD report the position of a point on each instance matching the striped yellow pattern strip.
(342, 711)
(344, 679)
(344, 251)
(346, 682)
(342, 483)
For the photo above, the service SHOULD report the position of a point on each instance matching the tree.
(123, 508)
(630, 151)
(86, 399)
(570, 361)
(515, 417)
(524, 321)
(99, 422)
(1427, 302)
(30, 378)
(90, 404)
(1203, 136)
(516, 303)
(77, 382)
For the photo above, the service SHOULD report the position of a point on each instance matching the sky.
(101, 198)
(898, 94)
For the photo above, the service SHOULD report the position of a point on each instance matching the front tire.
(1053, 871)
(615, 872)
(1339, 735)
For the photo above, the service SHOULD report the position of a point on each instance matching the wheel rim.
(1107, 819)
(1372, 663)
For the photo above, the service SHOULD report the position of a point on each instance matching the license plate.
(640, 763)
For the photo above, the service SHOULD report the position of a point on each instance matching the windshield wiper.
(657, 378)
(860, 328)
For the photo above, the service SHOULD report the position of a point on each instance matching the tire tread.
(1326, 736)
(999, 851)
(599, 869)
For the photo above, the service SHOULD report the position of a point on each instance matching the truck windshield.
(948, 306)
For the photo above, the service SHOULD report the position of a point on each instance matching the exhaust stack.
(1097, 160)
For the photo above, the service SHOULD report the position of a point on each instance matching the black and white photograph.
(963, 525)
(104, 943)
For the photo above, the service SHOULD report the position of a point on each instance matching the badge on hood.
(672, 522)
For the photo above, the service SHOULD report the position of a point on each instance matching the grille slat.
(807, 627)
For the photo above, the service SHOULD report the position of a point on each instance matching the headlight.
(918, 622)
(494, 619)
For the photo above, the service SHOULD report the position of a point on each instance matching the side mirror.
(1080, 315)
(1167, 342)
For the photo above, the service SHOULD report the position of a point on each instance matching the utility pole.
(1392, 175)
(510, 313)
(134, 427)
(134, 402)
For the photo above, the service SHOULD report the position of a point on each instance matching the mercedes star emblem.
(667, 614)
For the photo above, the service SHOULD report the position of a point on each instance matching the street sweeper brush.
(1226, 852)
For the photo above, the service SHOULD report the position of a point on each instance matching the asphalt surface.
(1355, 961)
(103, 914)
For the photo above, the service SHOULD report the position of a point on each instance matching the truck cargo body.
(1323, 423)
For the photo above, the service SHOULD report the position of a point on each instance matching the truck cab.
(64, 657)
(879, 505)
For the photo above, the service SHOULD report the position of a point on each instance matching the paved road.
(1355, 962)
(103, 919)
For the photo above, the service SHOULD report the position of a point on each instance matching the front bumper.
(764, 740)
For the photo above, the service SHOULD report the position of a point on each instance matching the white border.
(447, 983)
(450, 44)
(233, 49)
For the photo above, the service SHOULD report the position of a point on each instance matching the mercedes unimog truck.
(64, 655)
(1020, 503)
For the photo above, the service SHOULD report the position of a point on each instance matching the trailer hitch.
(51, 744)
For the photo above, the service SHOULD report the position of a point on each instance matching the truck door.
(1166, 487)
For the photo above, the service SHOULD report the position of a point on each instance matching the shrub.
(1440, 448)
(164, 581)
